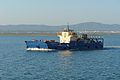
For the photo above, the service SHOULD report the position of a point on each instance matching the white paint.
(67, 36)
(39, 49)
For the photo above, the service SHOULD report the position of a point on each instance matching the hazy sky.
(57, 12)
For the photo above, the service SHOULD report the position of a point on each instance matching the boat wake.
(45, 49)
(111, 47)
(39, 49)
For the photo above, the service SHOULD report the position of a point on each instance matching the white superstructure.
(67, 35)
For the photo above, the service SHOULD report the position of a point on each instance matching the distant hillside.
(38, 28)
(97, 26)
(27, 28)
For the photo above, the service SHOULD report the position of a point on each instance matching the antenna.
(68, 26)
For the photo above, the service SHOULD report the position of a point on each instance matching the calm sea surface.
(18, 64)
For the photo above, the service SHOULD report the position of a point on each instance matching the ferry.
(69, 40)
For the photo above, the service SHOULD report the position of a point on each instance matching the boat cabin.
(67, 35)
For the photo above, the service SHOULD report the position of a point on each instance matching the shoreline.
(27, 34)
(48, 34)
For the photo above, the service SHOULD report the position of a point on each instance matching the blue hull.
(73, 45)
(69, 40)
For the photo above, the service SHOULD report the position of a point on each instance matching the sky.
(59, 12)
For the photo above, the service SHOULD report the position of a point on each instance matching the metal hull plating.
(73, 45)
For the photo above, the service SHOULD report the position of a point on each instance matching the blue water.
(18, 64)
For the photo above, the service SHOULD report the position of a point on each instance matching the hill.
(94, 26)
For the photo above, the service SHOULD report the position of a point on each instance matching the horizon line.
(58, 24)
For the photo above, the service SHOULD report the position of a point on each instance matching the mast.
(68, 27)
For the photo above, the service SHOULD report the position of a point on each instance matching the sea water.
(18, 64)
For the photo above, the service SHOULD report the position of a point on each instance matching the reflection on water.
(65, 64)
(65, 53)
